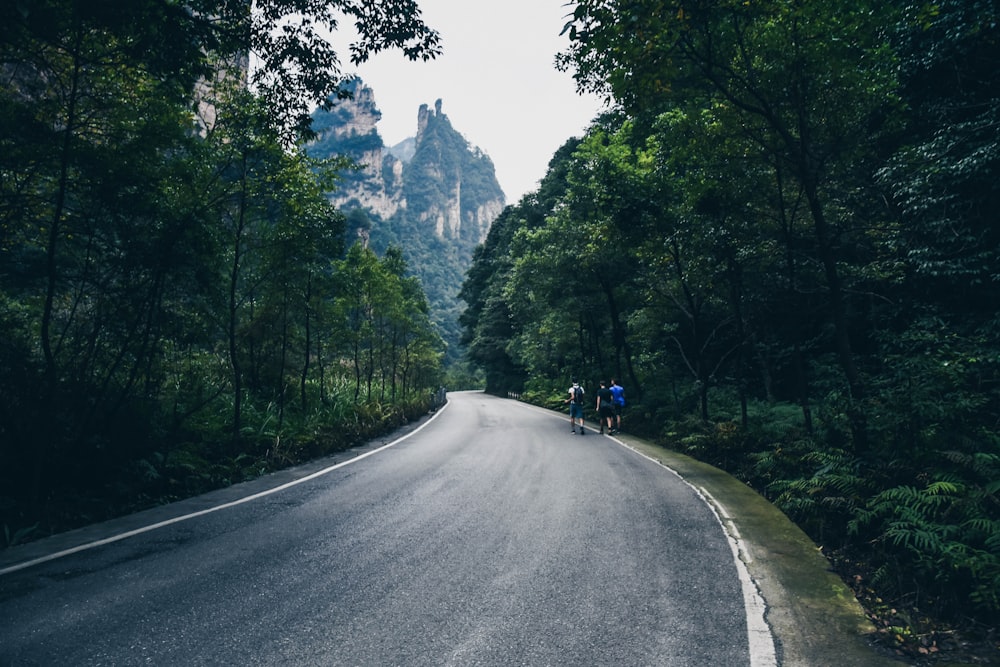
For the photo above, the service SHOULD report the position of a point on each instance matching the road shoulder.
(815, 618)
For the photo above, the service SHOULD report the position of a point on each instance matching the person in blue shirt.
(618, 401)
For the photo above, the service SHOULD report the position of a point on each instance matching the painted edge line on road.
(161, 524)
(760, 639)
(759, 636)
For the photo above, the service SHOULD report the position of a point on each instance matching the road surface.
(489, 536)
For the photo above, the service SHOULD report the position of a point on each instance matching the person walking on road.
(618, 401)
(605, 408)
(575, 400)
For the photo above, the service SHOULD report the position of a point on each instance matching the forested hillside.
(435, 200)
(783, 243)
(178, 304)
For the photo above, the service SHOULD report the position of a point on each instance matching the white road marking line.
(760, 639)
(234, 503)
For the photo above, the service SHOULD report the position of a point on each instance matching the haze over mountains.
(433, 195)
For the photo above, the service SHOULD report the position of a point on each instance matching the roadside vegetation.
(781, 241)
(180, 307)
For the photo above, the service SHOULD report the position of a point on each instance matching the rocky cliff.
(350, 129)
(433, 195)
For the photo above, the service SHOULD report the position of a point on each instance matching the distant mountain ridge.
(405, 149)
(433, 195)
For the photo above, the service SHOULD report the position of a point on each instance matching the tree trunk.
(234, 274)
(51, 401)
(838, 315)
(620, 338)
(307, 345)
(734, 271)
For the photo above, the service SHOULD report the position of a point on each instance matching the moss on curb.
(815, 618)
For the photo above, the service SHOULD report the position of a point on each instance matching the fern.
(945, 533)
(20, 535)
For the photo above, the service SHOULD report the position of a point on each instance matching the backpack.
(578, 395)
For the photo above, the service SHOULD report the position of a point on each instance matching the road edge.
(812, 613)
(23, 556)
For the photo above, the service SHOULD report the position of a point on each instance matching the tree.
(95, 136)
(384, 326)
(942, 178)
(489, 322)
(612, 195)
(300, 68)
(788, 70)
(112, 206)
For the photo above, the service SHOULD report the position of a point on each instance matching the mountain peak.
(433, 195)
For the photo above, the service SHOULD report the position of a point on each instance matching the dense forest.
(179, 307)
(782, 241)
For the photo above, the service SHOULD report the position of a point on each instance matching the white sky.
(497, 81)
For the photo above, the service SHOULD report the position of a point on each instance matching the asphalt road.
(490, 536)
